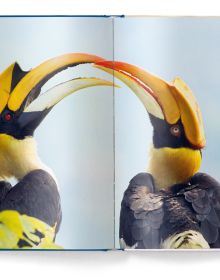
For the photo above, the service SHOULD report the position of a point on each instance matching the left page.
(74, 137)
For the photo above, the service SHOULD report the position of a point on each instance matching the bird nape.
(171, 206)
(30, 211)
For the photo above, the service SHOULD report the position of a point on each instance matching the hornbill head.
(23, 107)
(178, 134)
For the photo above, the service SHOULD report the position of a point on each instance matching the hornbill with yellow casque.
(171, 205)
(30, 211)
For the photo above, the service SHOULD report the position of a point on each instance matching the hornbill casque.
(30, 209)
(172, 205)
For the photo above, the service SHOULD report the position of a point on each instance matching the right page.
(174, 201)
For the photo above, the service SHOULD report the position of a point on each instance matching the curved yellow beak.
(170, 101)
(20, 91)
(27, 85)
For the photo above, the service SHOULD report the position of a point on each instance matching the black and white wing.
(30, 212)
(36, 195)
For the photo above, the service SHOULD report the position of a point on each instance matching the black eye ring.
(7, 117)
(175, 130)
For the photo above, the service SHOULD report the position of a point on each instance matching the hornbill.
(171, 205)
(22, 109)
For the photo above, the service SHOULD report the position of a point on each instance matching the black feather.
(149, 217)
(141, 213)
(35, 195)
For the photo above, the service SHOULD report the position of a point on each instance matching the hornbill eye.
(7, 117)
(175, 130)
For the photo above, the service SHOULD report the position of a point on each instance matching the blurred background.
(188, 47)
(76, 138)
(96, 140)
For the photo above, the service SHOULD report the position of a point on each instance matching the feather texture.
(186, 212)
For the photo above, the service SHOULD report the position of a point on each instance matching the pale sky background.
(76, 138)
(167, 47)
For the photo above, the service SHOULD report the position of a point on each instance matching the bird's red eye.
(175, 130)
(8, 117)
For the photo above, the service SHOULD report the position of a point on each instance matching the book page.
(75, 140)
(167, 47)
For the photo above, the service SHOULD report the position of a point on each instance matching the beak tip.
(201, 145)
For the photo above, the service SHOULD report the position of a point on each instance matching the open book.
(118, 162)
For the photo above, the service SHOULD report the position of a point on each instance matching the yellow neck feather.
(18, 157)
(171, 166)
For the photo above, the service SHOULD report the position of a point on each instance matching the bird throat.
(170, 166)
(18, 157)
